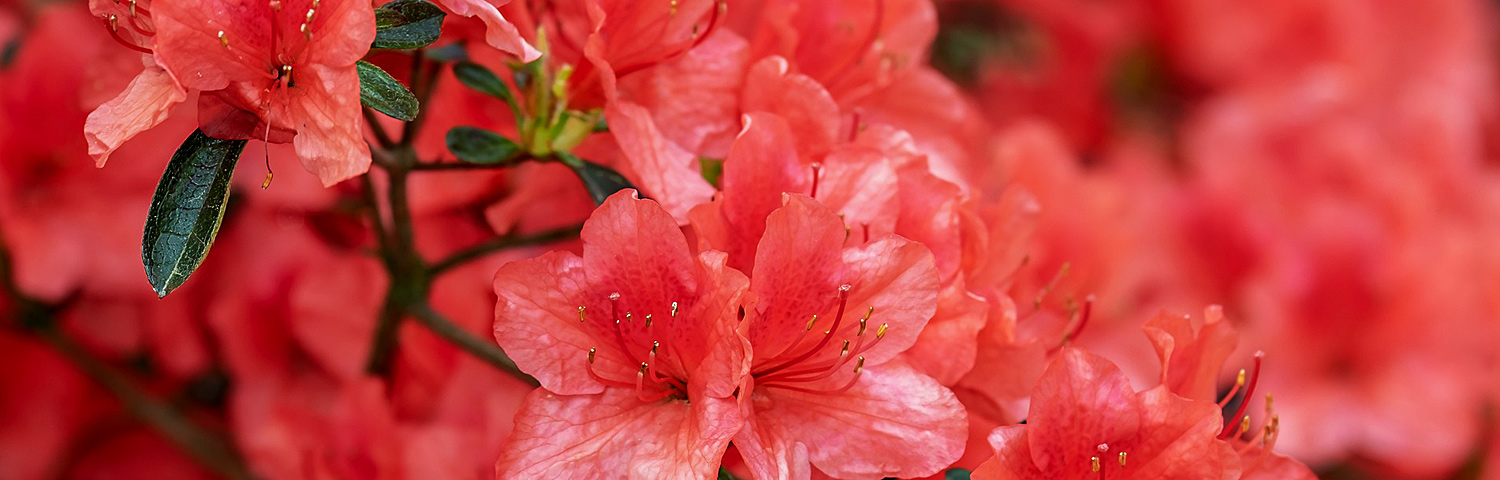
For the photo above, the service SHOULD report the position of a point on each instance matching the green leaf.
(378, 90)
(712, 169)
(407, 25)
(725, 475)
(477, 77)
(956, 474)
(479, 146)
(187, 209)
(601, 181)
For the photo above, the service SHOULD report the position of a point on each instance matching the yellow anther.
(1094, 463)
(1122, 459)
(580, 313)
(654, 345)
(1269, 400)
(223, 39)
(648, 320)
(591, 354)
(310, 13)
(627, 316)
(672, 9)
(113, 22)
(880, 332)
(264, 184)
(1244, 424)
(863, 322)
(276, 5)
(1240, 380)
(845, 350)
(132, 8)
(643, 369)
(674, 309)
(811, 322)
(859, 364)
(306, 32)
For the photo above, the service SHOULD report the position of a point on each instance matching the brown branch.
(482, 349)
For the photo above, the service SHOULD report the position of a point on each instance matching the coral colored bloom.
(634, 347)
(272, 69)
(498, 32)
(1087, 422)
(824, 322)
(149, 97)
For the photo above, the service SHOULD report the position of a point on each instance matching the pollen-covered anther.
(1094, 464)
(1122, 459)
(132, 8)
(648, 320)
(592, 352)
(859, 366)
(311, 12)
(628, 317)
(811, 322)
(880, 332)
(114, 22)
(865, 321)
(580, 314)
(306, 32)
(223, 39)
(674, 309)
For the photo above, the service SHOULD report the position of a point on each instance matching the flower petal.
(798, 272)
(1080, 395)
(894, 422)
(324, 108)
(898, 279)
(664, 170)
(536, 321)
(144, 104)
(614, 435)
(498, 32)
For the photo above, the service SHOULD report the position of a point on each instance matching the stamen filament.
(1249, 391)
(838, 318)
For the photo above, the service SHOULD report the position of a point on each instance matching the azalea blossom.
(634, 346)
(275, 70)
(1086, 421)
(824, 323)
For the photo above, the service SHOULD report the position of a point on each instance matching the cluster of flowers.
(812, 238)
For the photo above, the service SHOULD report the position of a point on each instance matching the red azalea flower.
(634, 347)
(825, 322)
(275, 69)
(1087, 422)
(148, 99)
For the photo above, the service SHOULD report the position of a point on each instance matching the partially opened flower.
(1086, 421)
(634, 346)
(825, 322)
(274, 70)
(151, 94)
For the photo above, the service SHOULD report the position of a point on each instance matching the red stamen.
(1238, 382)
(827, 336)
(1249, 391)
(111, 24)
(599, 378)
(1082, 321)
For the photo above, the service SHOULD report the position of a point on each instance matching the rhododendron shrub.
(778, 239)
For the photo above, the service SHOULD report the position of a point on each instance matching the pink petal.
(188, 42)
(762, 163)
(1180, 436)
(798, 273)
(614, 435)
(1012, 460)
(536, 321)
(947, 346)
(861, 185)
(342, 31)
(1192, 359)
(1080, 396)
(898, 278)
(326, 111)
(870, 431)
(727, 359)
(662, 169)
(499, 32)
(145, 103)
(802, 101)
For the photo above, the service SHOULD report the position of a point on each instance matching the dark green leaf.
(477, 77)
(712, 169)
(601, 181)
(480, 146)
(956, 474)
(452, 52)
(187, 209)
(725, 475)
(378, 90)
(407, 24)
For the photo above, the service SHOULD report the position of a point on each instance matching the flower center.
(657, 377)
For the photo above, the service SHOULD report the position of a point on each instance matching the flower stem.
(480, 348)
(498, 244)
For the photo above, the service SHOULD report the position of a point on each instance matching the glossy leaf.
(380, 91)
(187, 209)
(599, 180)
(407, 24)
(477, 77)
(479, 146)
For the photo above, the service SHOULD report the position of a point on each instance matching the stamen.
(132, 8)
(864, 321)
(880, 332)
(223, 40)
(1245, 404)
(1239, 381)
(1094, 463)
(580, 313)
(112, 22)
(599, 378)
(1082, 319)
(648, 320)
(828, 336)
(276, 5)
(1122, 459)
(306, 32)
(810, 323)
(311, 12)
(1036, 303)
(817, 169)
(674, 309)
(672, 8)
